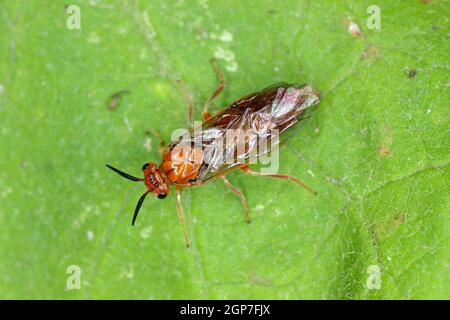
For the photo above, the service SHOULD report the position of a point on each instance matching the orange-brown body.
(181, 164)
(202, 154)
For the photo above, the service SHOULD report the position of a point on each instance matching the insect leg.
(188, 100)
(180, 216)
(162, 143)
(219, 73)
(248, 171)
(240, 195)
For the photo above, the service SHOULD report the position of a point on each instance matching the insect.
(204, 154)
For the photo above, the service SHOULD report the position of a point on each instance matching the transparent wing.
(249, 128)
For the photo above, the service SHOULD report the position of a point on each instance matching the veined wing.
(248, 129)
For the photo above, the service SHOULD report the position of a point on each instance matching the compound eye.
(145, 166)
(161, 195)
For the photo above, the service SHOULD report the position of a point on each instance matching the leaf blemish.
(225, 36)
(93, 38)
(386, 228)
(400, 219)
(411, 73)
(384, 151)
(260, 281)
(148, 144)
(371, 52)
(386, 142)
(228, 56)
(90, 235)
(145, 232)
(115, 98)
(353, 28)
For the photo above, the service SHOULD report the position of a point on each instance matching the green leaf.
(376, 149)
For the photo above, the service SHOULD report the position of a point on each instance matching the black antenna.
(138, 206)
(123, 174)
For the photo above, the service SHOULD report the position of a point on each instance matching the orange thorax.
(181, 164)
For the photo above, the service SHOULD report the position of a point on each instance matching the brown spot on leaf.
(353, 28)
(260, 281)
(384, 151)
(400, 219)
(385, 141)
(371, 52)
(115, 98)
(388, 226)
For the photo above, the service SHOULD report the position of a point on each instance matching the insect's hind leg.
(248, 171)
(206, 115)
(241, 196)
(180, 216)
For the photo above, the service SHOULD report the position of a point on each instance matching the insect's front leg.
(188, 100)
(162, 144)
(180, 216)
(240, 195)
(248, 171)
(219, 73)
